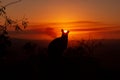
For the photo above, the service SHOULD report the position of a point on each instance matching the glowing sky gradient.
(67, 10)
(101, 18)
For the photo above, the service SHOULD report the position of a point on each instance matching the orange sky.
(84, 18)
(66, 10)
(78, 30)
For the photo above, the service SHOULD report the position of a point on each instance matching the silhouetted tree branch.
(7, 22)
(10, 22)
(11, 3)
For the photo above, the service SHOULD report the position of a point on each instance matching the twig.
(14, 2)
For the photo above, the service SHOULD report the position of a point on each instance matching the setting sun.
(65, 31)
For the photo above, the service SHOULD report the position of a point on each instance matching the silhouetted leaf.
(17, 28)
(5, 32)
(2, 11)
(10, 21)
(1, 27)
(25, 24)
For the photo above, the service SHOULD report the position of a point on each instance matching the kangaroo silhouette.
(58, 45)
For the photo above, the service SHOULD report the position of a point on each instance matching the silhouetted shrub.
(29, 47)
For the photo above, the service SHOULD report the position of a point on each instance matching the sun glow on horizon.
(65, 31)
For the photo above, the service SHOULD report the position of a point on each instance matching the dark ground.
(32, 62)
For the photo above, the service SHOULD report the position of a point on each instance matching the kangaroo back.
(58, 45)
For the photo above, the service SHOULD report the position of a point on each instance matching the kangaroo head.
(64, 33)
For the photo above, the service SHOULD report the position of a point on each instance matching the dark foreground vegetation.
(93, 59)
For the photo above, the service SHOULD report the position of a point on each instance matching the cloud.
(50, 31)
(98, 29)
(42, 31)
(115, 32)
(90, 22)
(111, 34)
(76, 22)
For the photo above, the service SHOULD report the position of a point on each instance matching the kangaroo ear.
(68, 31)
(61, 30)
